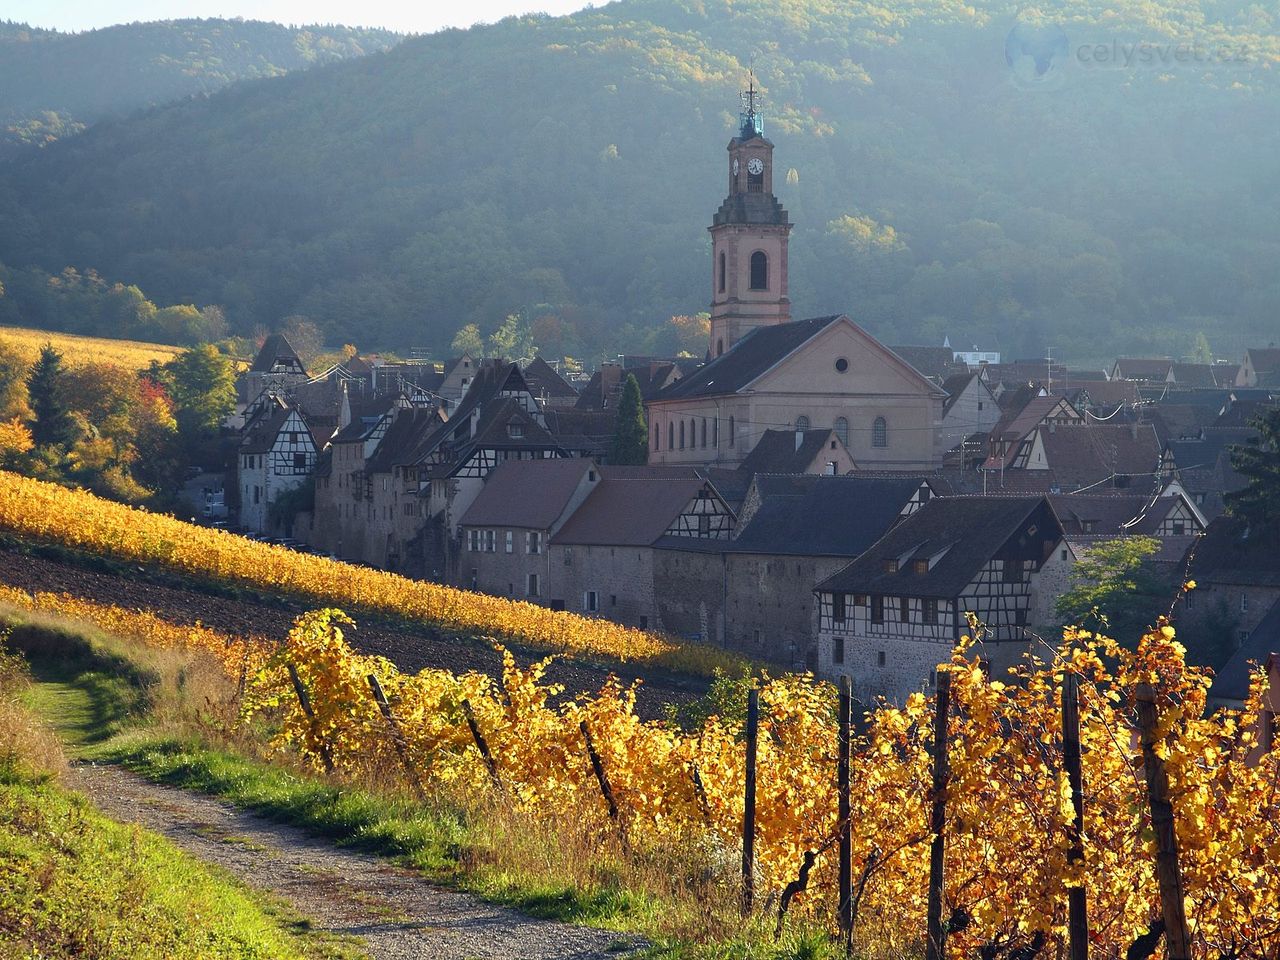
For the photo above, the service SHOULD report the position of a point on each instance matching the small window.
(802, 423)
(719, 346)
(904, 610)
(759, 271)
(533, 541)
(731, 431)
(1244, 597)
(656, 435)
(681, 434)
(671, 435)
(591, 601)
(920, 566)
(859, 599)
(723, 271)
(704, 525)
(842, 430)
(930, 611)
(704, 433)
(891, 565)
(491, 541)
(979, 406)
(877, 609)
(882, 658)
(837, 607)
(1179, 528)
(1064, 553)
(299, 461)
(837, 650)
(613, 599)
(842, 365)
(715, 431)
(511, 546)
(568, 556)
(880, 433)
(755, 636)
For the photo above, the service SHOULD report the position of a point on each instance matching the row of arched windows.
(697, 433)
(879, 430)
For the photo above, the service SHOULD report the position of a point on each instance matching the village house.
(970, 408)
(887, 619)
(1260, 650)
(799, 451)
(1260, 368)
(507, 530)
(551, 390)
(754, 593)
(1237, 575)
(601, 560)
(277, 454)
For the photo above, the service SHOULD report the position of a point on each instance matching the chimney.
(799, 439)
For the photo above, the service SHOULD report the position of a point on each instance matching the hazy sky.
(420, 17)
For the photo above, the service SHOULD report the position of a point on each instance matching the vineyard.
(650, 787)
(44, 512)
(132, 354)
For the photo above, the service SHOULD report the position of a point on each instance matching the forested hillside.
(53, 83)
(565, 169)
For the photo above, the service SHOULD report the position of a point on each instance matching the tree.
(13, 383)
(202, 383)
(1111, 587)
(52, 424)
(1201, 353)
(468, 340)
(630, 433)
(305, 337)
(1258, 504)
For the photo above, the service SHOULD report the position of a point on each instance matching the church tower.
(748, 238)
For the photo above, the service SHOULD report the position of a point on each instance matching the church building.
(768, 372)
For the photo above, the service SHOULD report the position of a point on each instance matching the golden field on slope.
(77, 519)
(76, 349)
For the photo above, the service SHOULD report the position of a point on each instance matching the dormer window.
(891, 565)
(515, 430)
(920, 566)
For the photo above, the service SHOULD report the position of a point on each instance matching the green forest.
(563, 171)
(53, 84)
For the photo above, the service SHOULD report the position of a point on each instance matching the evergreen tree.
(52, 424)
(1258, 504)
(630, 432)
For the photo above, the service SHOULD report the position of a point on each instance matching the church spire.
(751, 118)
(748, 237)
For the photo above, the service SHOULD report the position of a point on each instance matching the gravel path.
(394, 911)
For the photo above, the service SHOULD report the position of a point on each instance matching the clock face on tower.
(755, 166)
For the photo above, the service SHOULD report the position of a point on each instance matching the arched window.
(759, 271)
(731, 431)
(657, 437)
(693, 433)
(671, 434)
(681, 434)
(719, 347)
(842, 430)
(723, 271)
(715, 431)
(704, 432)
(802, 423)
(880, 433)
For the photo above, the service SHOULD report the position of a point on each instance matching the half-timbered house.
(601, 561)
(277, 454)
(890, 617)
(754, 592)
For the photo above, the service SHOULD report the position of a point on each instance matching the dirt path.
(394, 911)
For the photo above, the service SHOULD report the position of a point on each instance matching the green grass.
(78, 884)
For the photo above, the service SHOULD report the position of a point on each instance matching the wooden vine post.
(397, 737)
(844, 830)
(481, 744)
(1172, 902)
(935, 948)
(304, 699)
(749, 805)
(1077, 906)
(602, 778)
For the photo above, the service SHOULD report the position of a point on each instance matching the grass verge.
(78, 884)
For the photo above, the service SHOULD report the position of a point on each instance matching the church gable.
(842, 358)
